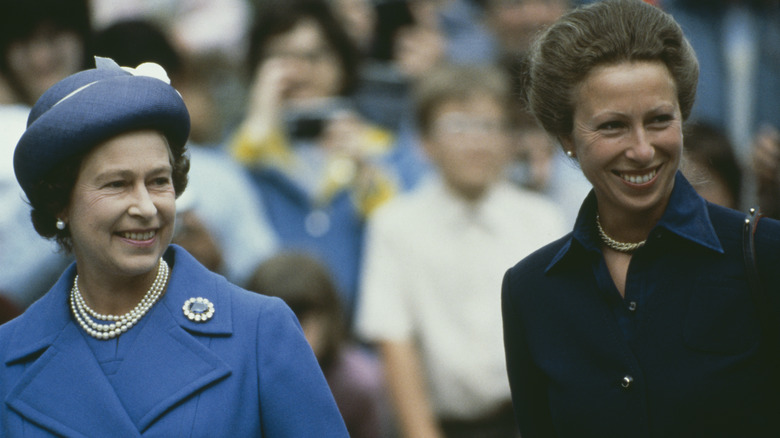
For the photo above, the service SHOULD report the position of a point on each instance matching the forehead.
(625, 83)
(129, 151)
(305, 31)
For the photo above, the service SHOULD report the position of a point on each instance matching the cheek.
(166, 206)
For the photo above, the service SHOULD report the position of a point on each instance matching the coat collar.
(166, 364)
(686, 216)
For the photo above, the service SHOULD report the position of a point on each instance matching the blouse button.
(626, 382)
(632, 306)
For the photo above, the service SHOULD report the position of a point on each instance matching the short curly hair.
(602, 33)
(51, 195)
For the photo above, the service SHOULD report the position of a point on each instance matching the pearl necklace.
(119, 323)
(614, 244)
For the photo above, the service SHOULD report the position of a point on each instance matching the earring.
(60, 224)
(570, 154)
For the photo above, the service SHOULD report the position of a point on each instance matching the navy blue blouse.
(680, 355)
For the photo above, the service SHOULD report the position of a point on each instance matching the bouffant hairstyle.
(603, 33)
(51, 195)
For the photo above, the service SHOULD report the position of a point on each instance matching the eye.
(612, 125)
(662, 119)
(161, 181)
(118, 184)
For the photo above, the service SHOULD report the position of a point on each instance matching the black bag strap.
(769, 322)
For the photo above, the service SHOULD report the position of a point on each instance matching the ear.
(567, 142)
(63, 214)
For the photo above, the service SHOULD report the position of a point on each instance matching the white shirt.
(432, 274)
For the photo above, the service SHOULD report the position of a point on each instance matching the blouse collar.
(686, 216)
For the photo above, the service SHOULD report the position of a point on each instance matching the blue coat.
(680, 356)
(247, 372)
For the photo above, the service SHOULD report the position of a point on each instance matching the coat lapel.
(65, 390)
(166, 363)
(164, 366)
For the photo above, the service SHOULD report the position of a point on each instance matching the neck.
(628, 228)
(115, 296)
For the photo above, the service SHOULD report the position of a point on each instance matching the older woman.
(641, 322)
(137, 338)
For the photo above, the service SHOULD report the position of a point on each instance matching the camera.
(307, 121)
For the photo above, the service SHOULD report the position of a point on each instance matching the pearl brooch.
(119, 323)
(198, 309)
(614, 244)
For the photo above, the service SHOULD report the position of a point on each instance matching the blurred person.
(737, 43)
(710, 164)
(137, 338)
(221, 201)
(644, 320)
(360, 21)
(317, 165)
(429, 297)
(354, 376)
(192, 234)
(41, 42)
(515, 23)
(538, 164)
(766, 168)
(197, 27)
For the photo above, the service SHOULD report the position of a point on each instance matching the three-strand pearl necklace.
(118, 323)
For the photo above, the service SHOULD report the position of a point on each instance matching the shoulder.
(190, 279)
(530, 200)
(403, 208)
(535, 265)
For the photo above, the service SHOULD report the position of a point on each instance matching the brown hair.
(606, 32)
(458, 83)
(307, 286)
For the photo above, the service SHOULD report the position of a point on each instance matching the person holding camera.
(318, 166)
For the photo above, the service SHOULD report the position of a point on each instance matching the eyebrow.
(124, 173)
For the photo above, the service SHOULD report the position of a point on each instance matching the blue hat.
(92, 106)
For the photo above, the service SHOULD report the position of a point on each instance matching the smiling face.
(122, 207)
(627, 136)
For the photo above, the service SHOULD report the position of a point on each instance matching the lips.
(639, 178)
(139, 236)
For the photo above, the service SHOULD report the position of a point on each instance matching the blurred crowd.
(368, 161)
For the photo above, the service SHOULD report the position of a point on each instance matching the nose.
(142, 204)
(641, 150)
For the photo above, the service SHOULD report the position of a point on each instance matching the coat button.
(632, 306)
(626, 382)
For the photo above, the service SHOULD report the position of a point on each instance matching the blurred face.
(311, 68)
(627, 136)
(516, 22)
(359, 18)
(708, 184)
(44, 59)
(122, 208)
(469, 143)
